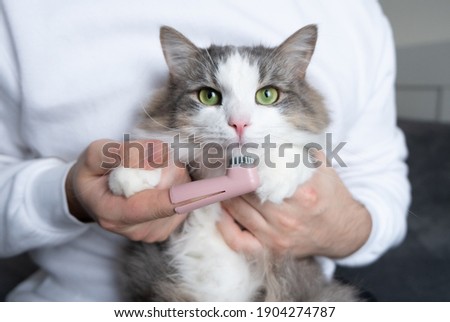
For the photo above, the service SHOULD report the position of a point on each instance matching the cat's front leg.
(129, 181)
(282, 174)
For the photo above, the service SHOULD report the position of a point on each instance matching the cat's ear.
(297, 50)
(178, 50)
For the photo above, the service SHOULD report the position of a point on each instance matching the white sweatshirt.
(75, 71)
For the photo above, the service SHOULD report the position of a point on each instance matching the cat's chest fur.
(207, 269)
(249, 97)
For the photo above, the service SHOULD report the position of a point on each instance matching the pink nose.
(238, 126)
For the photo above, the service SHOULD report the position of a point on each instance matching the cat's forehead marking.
(239, 80)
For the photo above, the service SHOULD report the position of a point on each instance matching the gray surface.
(423, 82)
(12, 271)
(418, 103)
(424, 65)
(417, 270)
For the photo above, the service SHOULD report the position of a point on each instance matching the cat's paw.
(276, 188)
(281, 180)
(129, 181)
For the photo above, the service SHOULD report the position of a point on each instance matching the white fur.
(128, 181)
(239, 80)
(206, 265)
(281, 182)
(208, 268)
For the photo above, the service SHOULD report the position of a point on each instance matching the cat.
(230, 95)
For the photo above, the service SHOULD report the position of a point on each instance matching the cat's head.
(239, 95)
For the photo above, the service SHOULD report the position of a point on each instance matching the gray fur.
(150, 276)
(192, 68)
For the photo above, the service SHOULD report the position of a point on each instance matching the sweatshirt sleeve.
(375, 172)
(33, 210)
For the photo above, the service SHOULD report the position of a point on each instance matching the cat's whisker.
(157, 122)
(211, 60)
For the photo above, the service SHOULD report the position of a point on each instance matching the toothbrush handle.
(197, 194)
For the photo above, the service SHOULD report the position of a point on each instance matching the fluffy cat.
(230, 95)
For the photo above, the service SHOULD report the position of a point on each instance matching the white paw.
(128, 181)
(281, 180)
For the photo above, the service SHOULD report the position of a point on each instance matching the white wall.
(422, 35)
(417, 22)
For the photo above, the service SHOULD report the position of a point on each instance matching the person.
(74, 74)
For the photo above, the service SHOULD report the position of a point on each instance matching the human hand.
(146, 216)
(321, 218)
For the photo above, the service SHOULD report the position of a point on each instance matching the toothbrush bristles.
(242, 160)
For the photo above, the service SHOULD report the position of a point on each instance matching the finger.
(145, 154)
(101, 156)
(289, 213)
(304, 198)
(318, 158)
(265, 210)
(159, 200)
(323, 183)
(158, 234)
(157, 230)
(246, 215)
(237, 239)
(147, 205)
(324, 174)
(173, 174)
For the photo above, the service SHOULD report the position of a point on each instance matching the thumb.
(164, 207)
(149, 205)
(173, 174)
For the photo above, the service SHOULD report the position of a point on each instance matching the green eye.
(267, 95)
(209, 96)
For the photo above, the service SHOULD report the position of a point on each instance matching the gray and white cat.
(230, 95)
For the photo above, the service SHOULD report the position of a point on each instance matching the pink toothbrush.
(241, 178)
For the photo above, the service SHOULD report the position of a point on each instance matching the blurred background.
(422, 35)
(419, 268)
